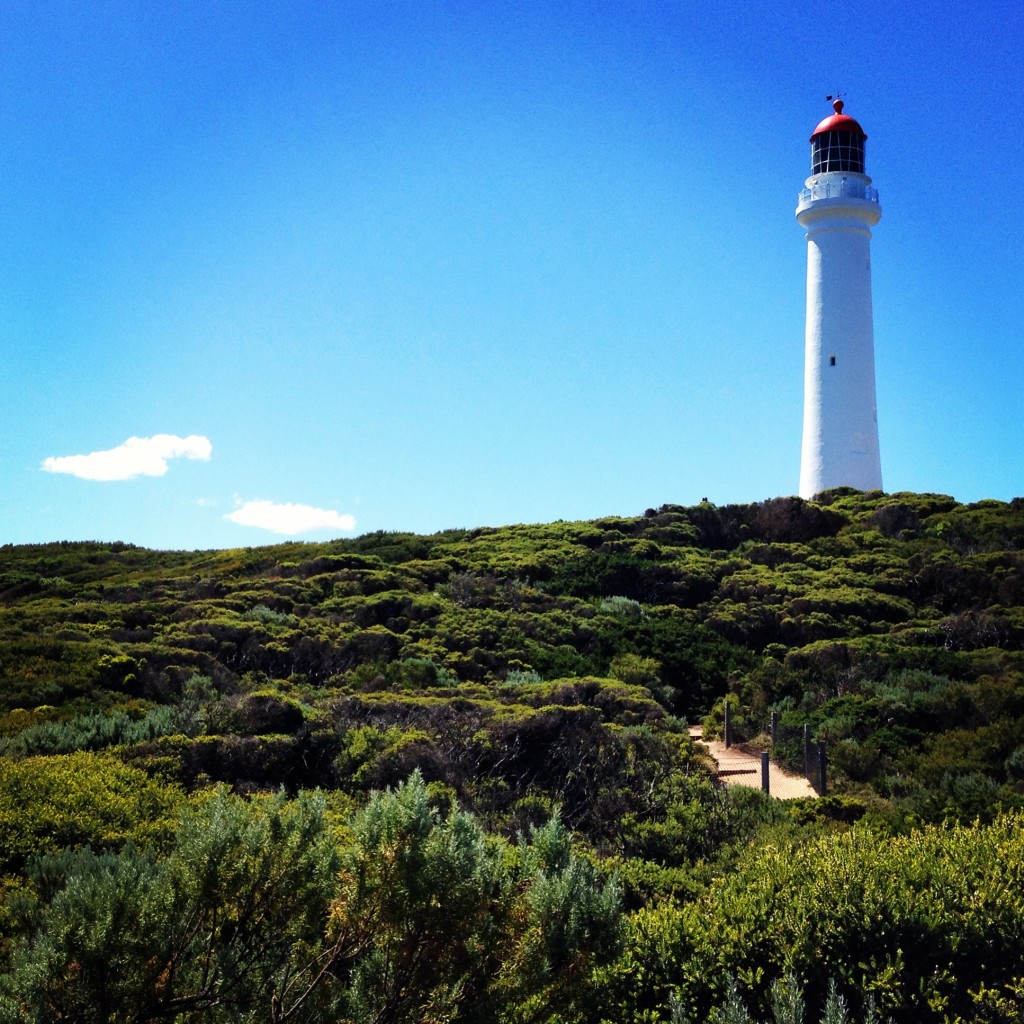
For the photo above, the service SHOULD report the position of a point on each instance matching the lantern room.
(837, 144)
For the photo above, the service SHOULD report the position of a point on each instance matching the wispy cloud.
(290, 519)
(138, 456)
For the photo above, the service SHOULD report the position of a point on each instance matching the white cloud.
(138, 456)
(288, 518)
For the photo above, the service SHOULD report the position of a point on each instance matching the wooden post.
(765, 785)
(808, 766)
(774, 728)
(727, 729)
(822, 767)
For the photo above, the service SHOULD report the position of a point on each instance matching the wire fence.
(792, 746)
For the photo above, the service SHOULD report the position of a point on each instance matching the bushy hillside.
(528, 672)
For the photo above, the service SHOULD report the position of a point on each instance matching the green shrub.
(93, 732)
(47, 803)
(923, 922)
(625, 607)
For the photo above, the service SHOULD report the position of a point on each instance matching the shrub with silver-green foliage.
(787, 1005)
(255, 915)
(523, 677)
(787, 1001)
(268, 617)
(440, 914)
(93, 731)
(625, 607)
(224, 928)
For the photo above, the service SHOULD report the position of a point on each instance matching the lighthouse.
(838, 208)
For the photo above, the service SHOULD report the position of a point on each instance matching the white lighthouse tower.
(838, 208)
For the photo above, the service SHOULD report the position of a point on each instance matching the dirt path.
(738, 767)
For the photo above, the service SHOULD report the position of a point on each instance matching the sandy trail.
(739, 767)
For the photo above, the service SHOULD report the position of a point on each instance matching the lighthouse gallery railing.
(839, 190)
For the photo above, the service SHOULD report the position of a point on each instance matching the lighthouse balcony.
(843, 188)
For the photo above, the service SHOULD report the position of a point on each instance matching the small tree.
(227, 927)
(433, 913)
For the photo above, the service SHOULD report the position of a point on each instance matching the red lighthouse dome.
(838, 122)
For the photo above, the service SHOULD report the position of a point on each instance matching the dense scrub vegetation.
(448, 777)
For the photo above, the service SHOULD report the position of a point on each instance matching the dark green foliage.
(437, 913)
(691, 594)
(525, 672)
(230, 921)
(603, 751)
(257, 913)
(262, 713)
(928, 925)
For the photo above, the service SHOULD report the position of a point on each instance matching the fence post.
(808, 766)
(822, 768)
(774, 728)
(727, 729)
(765, 785)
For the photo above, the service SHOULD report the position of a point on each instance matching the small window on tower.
(831, 360)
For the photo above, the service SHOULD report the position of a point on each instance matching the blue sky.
(341, 267)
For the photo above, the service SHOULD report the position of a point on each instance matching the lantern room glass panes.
(837, 151)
